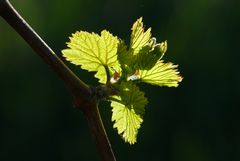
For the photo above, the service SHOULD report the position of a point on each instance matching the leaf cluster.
(121, 67)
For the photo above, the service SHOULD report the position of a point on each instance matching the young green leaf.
(144, 51)
(93, 52)
(128, 110)
(162, 74)
(126, 59)
(148, 57)
(139, 38)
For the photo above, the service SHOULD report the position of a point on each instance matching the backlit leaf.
(128, 109)
(148, 57)
(162, 74)
(139, 38)
(126, 58)
(92, 52)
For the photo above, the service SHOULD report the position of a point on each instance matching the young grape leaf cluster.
(121, 67)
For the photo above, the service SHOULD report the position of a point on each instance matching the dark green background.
(199, 121)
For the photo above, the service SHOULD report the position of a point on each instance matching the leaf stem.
(114, 99)
(108, 74)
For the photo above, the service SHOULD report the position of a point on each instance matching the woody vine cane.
(80, 91)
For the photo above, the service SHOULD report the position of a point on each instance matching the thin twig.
(81, 92)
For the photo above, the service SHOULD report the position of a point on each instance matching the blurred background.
(198, 121)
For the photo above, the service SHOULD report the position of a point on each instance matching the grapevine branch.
(83, 95)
